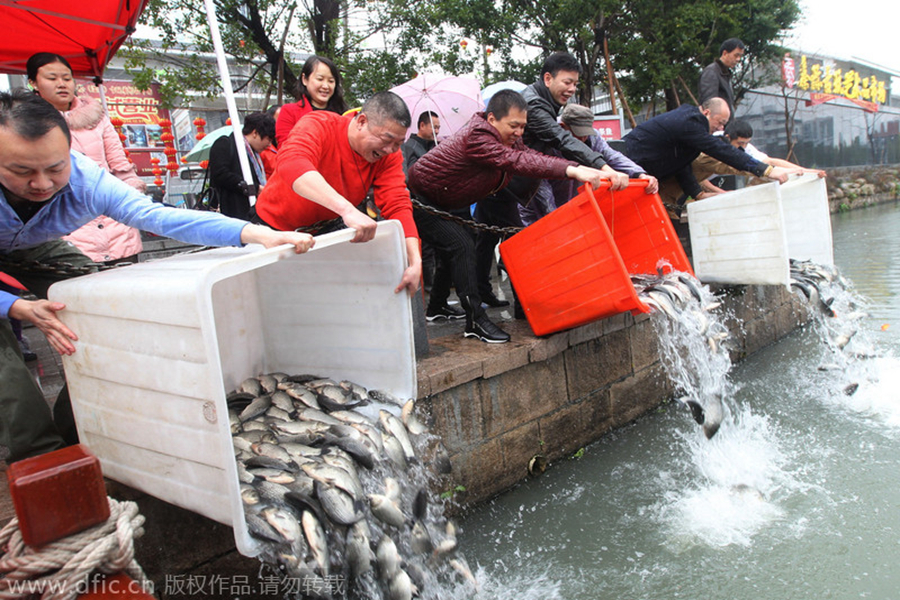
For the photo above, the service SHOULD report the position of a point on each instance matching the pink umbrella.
(454, 99)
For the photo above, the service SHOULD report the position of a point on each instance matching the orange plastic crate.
(569, 268)
(642, 230)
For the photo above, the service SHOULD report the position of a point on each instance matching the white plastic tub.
(748, 236)
(739, 237)
(161, 343)
(807, 219)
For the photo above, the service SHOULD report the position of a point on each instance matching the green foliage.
(656, 46)
(578, 454)
(451, 492)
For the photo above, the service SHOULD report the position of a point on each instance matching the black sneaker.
(493, 301)
(444, 312)
(486, 330)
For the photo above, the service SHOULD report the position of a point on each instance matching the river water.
(797, 496)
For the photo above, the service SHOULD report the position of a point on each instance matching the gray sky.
(866, 29)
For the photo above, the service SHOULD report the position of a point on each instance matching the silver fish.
(268, 383)
(395, 427)
(260, 405)
(283, 522)
(359, 554)
(315, 539)
(251, 385)
(340, 507)
(301, 395)
(387, 510)
(388, 558)
(394, 451)
(401, 587)
(410, 420)
(385, 397)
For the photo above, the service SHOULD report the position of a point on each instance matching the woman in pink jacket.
(102, 240)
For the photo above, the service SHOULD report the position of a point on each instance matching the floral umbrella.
(454, 99)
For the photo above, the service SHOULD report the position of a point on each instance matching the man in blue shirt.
(47, 191)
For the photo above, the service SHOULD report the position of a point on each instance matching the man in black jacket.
(667, 144)
(232, 192)
(715, 81)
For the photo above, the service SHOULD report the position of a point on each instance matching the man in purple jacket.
(473, 164)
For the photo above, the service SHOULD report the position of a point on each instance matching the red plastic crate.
(569, 268)
(57, 494)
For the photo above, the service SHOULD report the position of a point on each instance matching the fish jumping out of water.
(709, 414)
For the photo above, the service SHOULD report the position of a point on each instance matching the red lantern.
(488, 50)
(463, 44)
(200, 136)
(116, 122)
(154, 160)
(199, 122)
(170, 152)
(166, 137)
(204, 164)
(172, 166)
(158, 182)
(165, 124)
(228, 121)
(183, 159)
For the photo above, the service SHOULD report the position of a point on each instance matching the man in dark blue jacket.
(667, 144)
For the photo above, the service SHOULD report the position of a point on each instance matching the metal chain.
(502, 231)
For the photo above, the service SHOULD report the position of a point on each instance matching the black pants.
(502, 210)
(453, 244)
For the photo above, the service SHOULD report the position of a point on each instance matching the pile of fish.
(334, 487)
(838, 312)
(691, 341)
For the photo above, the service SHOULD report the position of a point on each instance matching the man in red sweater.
(329, 163)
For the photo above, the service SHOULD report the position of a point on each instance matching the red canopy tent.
(86, 33)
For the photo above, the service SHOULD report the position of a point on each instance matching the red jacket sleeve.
(287, 118)
(391, 195)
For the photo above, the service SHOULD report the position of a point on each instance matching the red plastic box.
(571, 268)
(57, 494)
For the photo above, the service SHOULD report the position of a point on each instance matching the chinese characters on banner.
(825, 82)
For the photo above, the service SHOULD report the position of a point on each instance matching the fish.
(283, 400)
(401, 587)
(851, 389)
(315, 539)
(251, 385)
(448, 544)
(359, 554)
(388, 558)
(301, 396)
(259, 528)
(385, 397)
(709, 414)
(394, 451)
(340, 507)
(270, 463)
(334, 397)
(387, 510)
(259, 405)
(335, 476)
(283, 522)
(395, 427)
(410, 420)
(354, 443)
(841, 340)
(459, 565)
(268, 383)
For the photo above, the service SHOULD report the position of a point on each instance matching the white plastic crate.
(739, 237)
(161, 343)
(748, 236)
(807, 219)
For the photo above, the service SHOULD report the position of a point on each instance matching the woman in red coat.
(319, 88)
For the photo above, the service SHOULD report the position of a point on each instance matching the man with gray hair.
(328, 164)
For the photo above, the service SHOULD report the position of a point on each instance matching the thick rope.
(61, 570)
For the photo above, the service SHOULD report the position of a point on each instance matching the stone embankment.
(857, 187)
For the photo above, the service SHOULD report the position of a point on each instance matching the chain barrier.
(501, 231)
